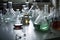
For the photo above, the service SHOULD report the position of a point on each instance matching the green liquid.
(44, 27)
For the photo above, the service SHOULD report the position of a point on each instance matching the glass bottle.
(10, 14)
(4, 8)
(45, 10)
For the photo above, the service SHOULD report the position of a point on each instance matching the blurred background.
(29, 19)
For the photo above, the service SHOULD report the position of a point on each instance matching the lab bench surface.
(7, 32)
